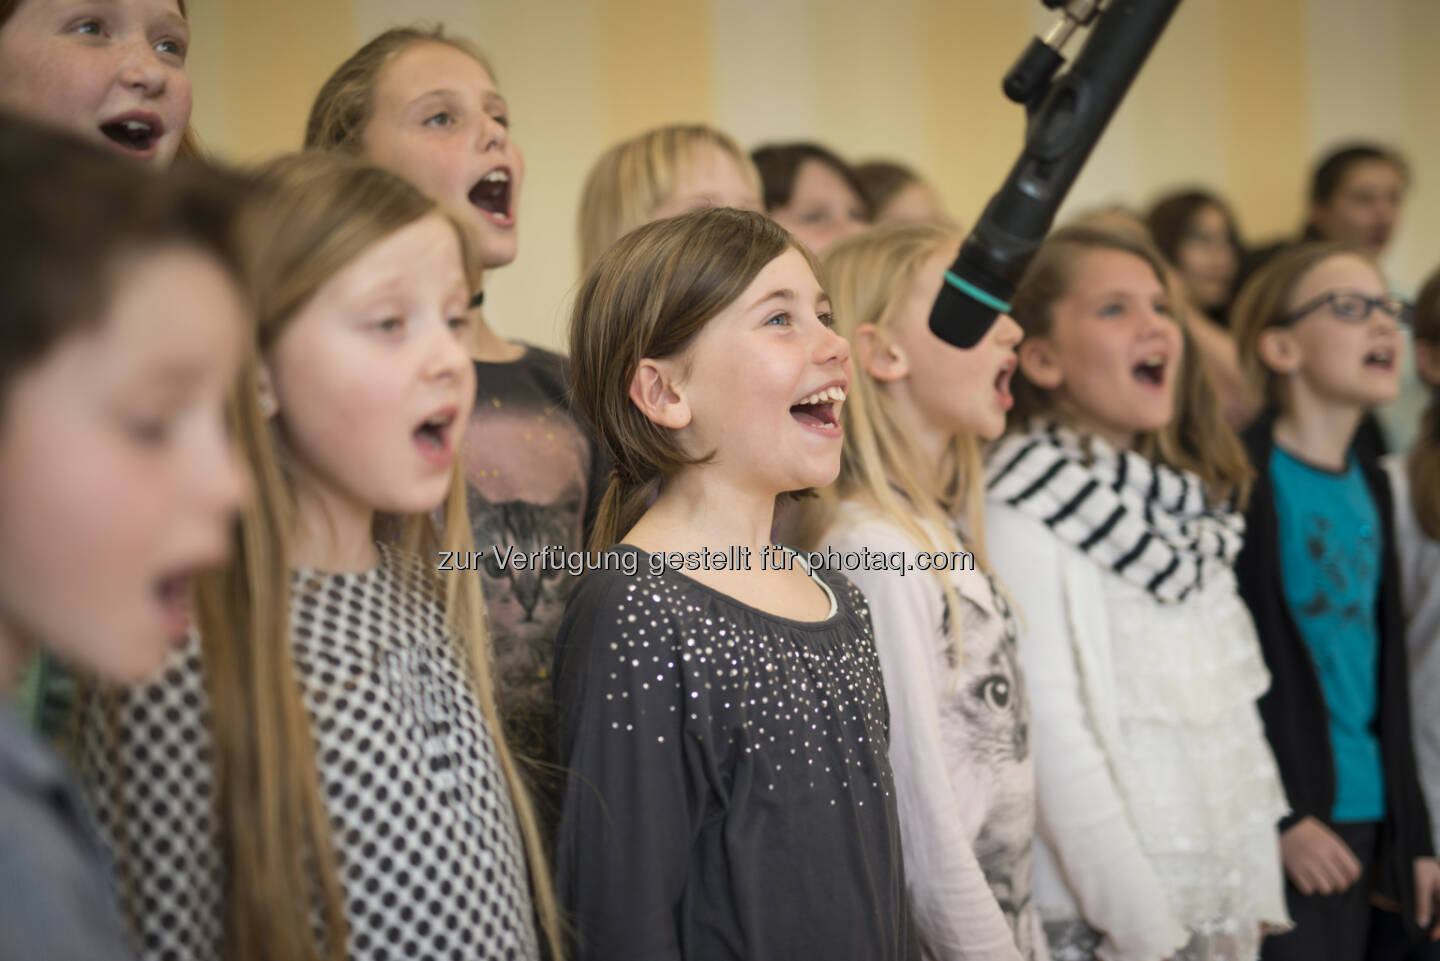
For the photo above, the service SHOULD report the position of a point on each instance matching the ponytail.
(624, 502)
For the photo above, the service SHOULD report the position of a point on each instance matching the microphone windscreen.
(958, 318)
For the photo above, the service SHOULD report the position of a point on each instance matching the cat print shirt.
(959, 745)
(534, 482)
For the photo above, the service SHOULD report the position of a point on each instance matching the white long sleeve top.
(1157, 793)
(960, 749)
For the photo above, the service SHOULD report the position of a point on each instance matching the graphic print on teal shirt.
(1330, 564)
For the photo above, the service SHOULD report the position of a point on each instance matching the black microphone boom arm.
(1067, 117)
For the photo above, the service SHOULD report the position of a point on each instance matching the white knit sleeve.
(1080, 812)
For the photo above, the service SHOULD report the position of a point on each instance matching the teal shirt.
(1330, 553)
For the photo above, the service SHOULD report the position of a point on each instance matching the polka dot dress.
(428, 848)
(729, 791)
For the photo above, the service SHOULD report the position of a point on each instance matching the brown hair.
(1423, 463)
(649, 295)
(71, 213)
(346, 101)
(1197, 439)
(1264, 301)
(1330, 172)
(779, 166)
(1170, 218)
(634, 176)
(314, 214)
(881, 180)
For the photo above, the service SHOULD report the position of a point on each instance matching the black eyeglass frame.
(1396, 307)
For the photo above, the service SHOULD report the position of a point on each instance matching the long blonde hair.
(650, 295)
(882, 466)
(1198, 439)
(313, 215)
(632, 177)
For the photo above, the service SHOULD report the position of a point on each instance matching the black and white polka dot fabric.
(428, 848)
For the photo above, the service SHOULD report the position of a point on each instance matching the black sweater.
(1296, 720)
(729, 793)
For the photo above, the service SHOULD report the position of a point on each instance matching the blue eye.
(93, 28)
(1162, 308)
(1112, 310)
(172, 47)
(783, 318)
(442, 119)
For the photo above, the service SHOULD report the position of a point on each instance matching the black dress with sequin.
(729, 792)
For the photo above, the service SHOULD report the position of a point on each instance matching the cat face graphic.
(524, 602)
(993, 699)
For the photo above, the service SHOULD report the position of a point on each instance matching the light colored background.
(1240, 95)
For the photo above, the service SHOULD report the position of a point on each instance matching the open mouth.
(1002, 383)
(433, 434)
(1151, 370)
(173, 595)
(820, 410)
(135, 132)
(491, 194)
(1381, 358)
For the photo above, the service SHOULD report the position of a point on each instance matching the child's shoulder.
(57, 902)
(545, 367)
(619, 579)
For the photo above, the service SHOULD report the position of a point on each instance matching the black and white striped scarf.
(1149, 523)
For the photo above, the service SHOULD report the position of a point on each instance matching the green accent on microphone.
(970, 290)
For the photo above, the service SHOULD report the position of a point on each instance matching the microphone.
(1066, 118)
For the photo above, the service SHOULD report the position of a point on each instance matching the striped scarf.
(1147, 522)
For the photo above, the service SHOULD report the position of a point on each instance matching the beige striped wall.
(1240, 95)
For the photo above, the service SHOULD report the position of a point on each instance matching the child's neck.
(932, 440)
(332, 532)
(1317, 431)
(487, 346)
(694, 511)
(698, 511)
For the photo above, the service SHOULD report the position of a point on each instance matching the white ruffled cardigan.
(1157, 793)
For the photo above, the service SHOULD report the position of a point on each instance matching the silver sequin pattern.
(429, 852)
(799, 704)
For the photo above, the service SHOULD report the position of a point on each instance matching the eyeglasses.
(1353, 308)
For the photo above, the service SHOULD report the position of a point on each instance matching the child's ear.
(265, 386)
(656, 391)
(1427, 362)
(879, 355)
(1279, 351)
(1039, 363)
